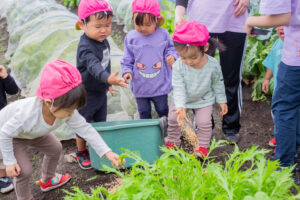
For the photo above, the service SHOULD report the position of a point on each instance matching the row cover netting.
(41, 31)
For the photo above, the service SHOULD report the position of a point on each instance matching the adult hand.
(181, 112)
(113, 79)
(170, 60)
(241, 7)
(265, 86)
(224, 108)
(114, 159)
(127, 76)
(3, 72)
(111, 90)
(13, 170)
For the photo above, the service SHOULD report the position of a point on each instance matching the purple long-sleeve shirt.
(145, 58)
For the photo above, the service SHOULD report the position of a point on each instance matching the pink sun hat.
(192, 33)
(90, 7)
(146, 6)
(58, 78)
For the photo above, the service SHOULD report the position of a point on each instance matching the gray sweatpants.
(203, 122)
(47, 144)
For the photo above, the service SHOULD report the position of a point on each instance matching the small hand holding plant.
(181, 112)
(114, 159)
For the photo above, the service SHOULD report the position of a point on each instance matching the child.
(197, 83)
(29, 123)
(272, 62)
(9, 86)
(286, 99)
(93, 62)
(148, 57)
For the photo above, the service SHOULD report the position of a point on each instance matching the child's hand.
(114, 159)
(3, 72)
(111, 90)
(265, 86)
(13, 170)
(127, 76)
(181, 116)
(113, 79)
(224, 108)
(170, 60)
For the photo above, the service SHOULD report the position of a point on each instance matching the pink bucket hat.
(146, 6)
(58, 78)
(192, 33)
(89, 7)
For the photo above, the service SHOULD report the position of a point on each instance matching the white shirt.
(24, 119)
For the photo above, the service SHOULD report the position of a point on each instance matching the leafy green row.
(176, 175)
(71, 3)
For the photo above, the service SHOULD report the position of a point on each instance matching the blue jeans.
(160, 104)
(285, 107)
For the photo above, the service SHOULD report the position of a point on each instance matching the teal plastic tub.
(142, 136)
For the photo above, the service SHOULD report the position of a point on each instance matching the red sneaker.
(55, 182)
(272, 143)
(170, 145)
(201, 152)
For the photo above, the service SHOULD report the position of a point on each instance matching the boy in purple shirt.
(286, 100)
(148, 56)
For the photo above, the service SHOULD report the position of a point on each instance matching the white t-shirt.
(24, 119)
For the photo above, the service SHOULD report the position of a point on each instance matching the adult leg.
(204, 124)
(174, 131)
(232, 64)
(285, 107)
(161, 105)
(144, 108)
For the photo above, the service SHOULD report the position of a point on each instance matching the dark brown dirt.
(257, 129)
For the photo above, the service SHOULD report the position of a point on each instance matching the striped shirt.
(197, 88)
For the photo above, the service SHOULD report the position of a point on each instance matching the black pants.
(95, 109)
(232, 65)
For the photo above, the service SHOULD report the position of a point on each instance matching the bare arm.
(267, 21)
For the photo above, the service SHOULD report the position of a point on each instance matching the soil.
(257, 129)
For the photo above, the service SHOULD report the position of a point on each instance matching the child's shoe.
(170, 145)
(55, 182)
(272, 143)
(201, 152)
(6, 184)
(83, 159)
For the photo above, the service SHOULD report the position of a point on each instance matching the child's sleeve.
(127, 61)
(87, 132)
(170, 50)
(7, 132)
(10, 85)
(93, 64)
(218, 85)
(270, 60)
(179, 93)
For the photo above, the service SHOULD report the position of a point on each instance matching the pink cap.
(146, 6)
(192, 33)
(89, 7)
(58, 78)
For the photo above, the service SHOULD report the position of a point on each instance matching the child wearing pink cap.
(197, 82)
(93, 62)
(149, 54)
(29, 122)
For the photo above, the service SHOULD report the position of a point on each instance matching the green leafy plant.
(71, 3)
(168, 12)
(176, 175)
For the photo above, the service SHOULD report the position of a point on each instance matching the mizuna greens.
(176, 175)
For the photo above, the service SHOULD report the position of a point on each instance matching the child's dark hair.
(75, 97)
(140, 17)
(213, 45)
(99, 15)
